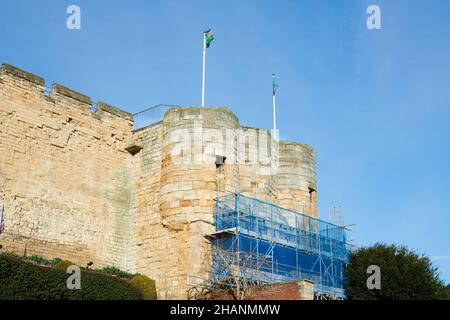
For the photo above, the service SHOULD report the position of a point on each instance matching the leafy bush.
(146, 286)
(405, 275)
(444, 293)
(39, 260)
(55, 261)
(63, 265)
(23, 281)
(117, 272)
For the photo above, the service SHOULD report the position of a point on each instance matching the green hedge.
(113, 271)
(63, 265)
(146, 286)
(23, 281)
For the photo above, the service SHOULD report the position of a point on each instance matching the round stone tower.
(192, 139)
(188, 159)
(296, 178)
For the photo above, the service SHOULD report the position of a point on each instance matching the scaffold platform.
(285, 245)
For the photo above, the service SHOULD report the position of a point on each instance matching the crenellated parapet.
(24, 86)
(79, 184)
(64, 172)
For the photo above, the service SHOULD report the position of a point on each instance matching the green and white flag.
(274, 84)
(209, 37)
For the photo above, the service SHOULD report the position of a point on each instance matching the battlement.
(14, 71)
(59, 89)
(65, 164)
(78, 183)
(14, 81)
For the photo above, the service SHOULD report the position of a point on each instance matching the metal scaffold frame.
(282, 244)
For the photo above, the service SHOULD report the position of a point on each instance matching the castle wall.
(72, 190)
(63, 172)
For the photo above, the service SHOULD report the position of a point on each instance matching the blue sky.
(373, 103)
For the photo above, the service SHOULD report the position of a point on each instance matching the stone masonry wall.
(72, 190)
(64, 176)
(177, 180)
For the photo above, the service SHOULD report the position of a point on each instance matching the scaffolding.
(284, 245)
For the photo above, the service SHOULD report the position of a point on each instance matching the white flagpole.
(275, 133)
(274, 118)
(204, 67)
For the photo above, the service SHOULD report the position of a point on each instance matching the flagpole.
(274, 118)
(274, 87)
(204, 67)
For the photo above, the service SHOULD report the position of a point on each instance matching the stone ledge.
(288, 144)
(7, 68)
(57, 88)
(133, 149)
(102, 106)
(200, 110)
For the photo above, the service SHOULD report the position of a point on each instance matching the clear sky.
(375, 104)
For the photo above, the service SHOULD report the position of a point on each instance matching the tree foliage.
(405, 275)
(146, 286)
(444, 293)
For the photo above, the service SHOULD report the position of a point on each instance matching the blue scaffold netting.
(280, 245)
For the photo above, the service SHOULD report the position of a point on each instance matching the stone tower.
(83, 185)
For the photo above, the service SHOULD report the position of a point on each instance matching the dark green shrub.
(146, 286)
(113, 271)
(444, 293)
(10, 254)
(405, 274)
(39, 260)
(63, 265)
(23, 281)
